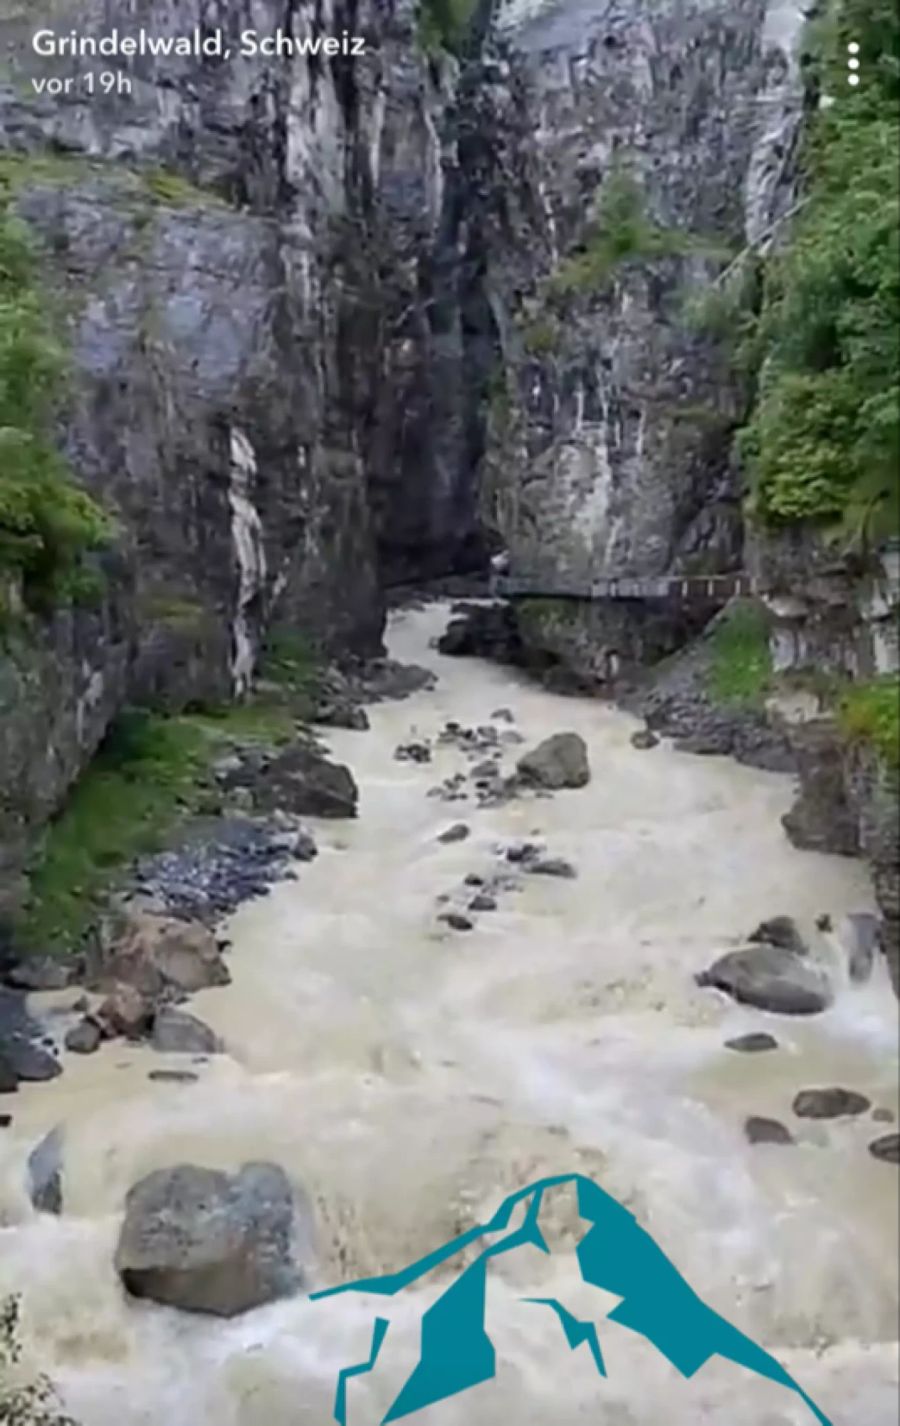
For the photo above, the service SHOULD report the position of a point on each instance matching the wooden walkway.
(707, 589)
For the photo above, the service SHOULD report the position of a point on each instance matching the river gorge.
(406, 1075)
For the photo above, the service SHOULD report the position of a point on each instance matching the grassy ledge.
(152, 773)
(870, 713)
(740, 671)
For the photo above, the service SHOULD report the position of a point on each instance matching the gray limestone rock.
(559, 761)
(212, 1242)
(770, 978)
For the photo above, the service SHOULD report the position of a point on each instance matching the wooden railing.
(711, 589)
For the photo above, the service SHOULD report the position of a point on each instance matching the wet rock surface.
(27, 1061)
(85, 1037)
(560, 761)
(553, 866)
(222, 862)
(770, 978)
(830, 1103)
(176, 1032)
(755, 1043)
(299, 781)
(211, 1242)
(886, 1149)
(163, 956)
(760, 1130)
(780, 931)
(44, 1172)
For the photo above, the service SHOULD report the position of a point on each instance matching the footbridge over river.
(695, 589)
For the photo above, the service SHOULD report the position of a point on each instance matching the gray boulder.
(9, 1080)
(887, 1148)
(153, 954)
(28, 1061)
(644, 739)
(44, 1173)
(559, 761)
(302, 781)
(770, 978)
(830, 1103)
(780, 931)
(756, 1043)
(553, 866)
(860, 938)
(84, 1038)
(176, 1032)
(760, 1130)
(212, 1242)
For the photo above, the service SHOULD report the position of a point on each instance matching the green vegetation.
(870, 713)
(824, 441)
(152, 772)
(444, 24)
(176, 191)
(291, 660)
(48, 524)
(740, 667)
(728, 312)
(149, 771)
(541, 337)
(620, 232)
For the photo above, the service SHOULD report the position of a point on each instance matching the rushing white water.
(411, 1076)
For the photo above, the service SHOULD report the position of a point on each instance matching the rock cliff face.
(261, 264)
(612, 434)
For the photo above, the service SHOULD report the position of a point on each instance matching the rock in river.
(887, 1148)
(212, 1242)
(84, 1038)
(553, 866)
(830, 1103)
(780, 931)
(176, 1032)
(757, 1042)
(771, 979)
(766, 1131)
(44, 1173)
(559, 761)
(22, 1059)
(300, 780)
(154, 953)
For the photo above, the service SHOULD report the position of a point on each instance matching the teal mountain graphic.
(616, 1254)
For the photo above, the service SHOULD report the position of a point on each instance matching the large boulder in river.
(163, 953)
(771, 978)
(302, 781)
(559, 761)
(212, 1242)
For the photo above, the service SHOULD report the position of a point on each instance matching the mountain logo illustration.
(616, 1254)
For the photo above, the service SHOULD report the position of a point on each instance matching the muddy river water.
(409, 1076)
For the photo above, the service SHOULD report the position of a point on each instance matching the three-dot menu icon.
(853, 63)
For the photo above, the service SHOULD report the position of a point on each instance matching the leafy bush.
(48, 524)
(824, 442)
(620, 232)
